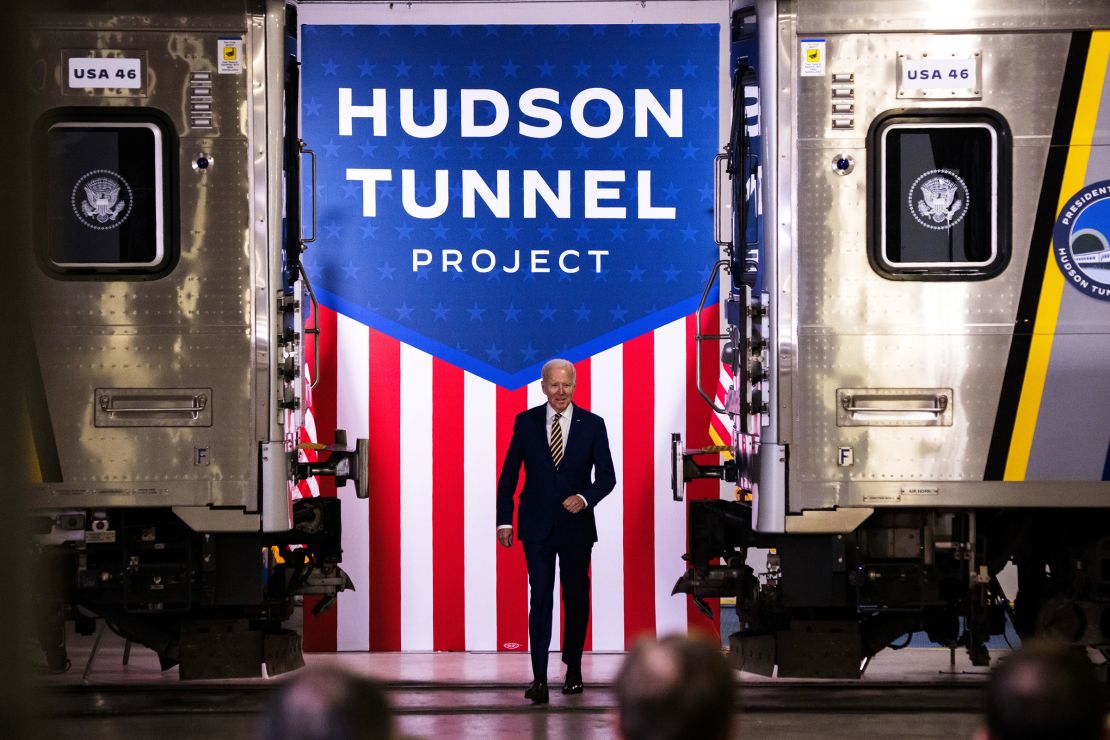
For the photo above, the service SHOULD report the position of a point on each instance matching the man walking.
(558, 444)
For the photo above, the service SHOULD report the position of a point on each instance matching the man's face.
(559, 388)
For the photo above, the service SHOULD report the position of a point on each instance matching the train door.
(166, 305)
(933, 304)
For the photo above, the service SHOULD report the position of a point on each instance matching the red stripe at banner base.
(581, 398)
(385, 482)
(320, 631)
(698, 418)
(512, 572)
(639, 489)
(448, 541)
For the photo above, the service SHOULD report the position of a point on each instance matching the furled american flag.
(720, 423)
(444, 286)
(306, 439)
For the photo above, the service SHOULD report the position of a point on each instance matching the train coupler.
(345, 464)
(684, 468)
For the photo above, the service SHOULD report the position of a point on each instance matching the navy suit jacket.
(546, 487)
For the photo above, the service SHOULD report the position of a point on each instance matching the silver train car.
(168, 314)
(917, 328)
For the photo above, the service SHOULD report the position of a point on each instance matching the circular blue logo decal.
(1081, 240)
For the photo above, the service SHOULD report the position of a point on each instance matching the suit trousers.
(574, 576)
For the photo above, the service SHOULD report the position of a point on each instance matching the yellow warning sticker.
(230, 56)
(813, 58)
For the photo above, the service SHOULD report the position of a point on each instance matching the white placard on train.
(926, 74)
(85, 72)
(813, 57)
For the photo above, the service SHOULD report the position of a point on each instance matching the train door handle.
(305, 150)
(894, 407)
(720, 179)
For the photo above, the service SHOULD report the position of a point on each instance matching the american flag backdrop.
(422, 551)
(432, 358)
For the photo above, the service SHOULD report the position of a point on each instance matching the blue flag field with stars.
(500, 195)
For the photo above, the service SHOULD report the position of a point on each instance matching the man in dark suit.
(559, 444)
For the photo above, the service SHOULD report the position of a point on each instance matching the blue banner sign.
(499, 195)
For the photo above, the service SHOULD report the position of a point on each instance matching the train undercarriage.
(826, 603)
(213, 604)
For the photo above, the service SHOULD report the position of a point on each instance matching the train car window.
(939, 195)
(103, 194)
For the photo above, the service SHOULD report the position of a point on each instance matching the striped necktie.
(556, 440)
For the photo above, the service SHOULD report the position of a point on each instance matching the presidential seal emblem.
(938, 199)
(101, 200)
(1081, 240)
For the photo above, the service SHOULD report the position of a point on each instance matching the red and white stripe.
(309, 487)
(304, 435)
(720, 425)
(422, 551)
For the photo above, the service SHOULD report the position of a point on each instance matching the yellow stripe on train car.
(1052, 287)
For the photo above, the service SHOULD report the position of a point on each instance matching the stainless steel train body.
(921, 392)
(167, 331)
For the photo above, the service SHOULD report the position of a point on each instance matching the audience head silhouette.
(676, 687)
(1045, 690)
(327, 704)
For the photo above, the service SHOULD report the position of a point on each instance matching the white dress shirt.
(564, 422)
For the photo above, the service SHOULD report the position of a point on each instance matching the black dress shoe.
(573, 683)
(537, 692)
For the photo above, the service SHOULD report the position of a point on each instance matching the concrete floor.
(483, 698)
(921, 665)
(537, 726)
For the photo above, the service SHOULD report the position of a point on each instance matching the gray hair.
(557, 362)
